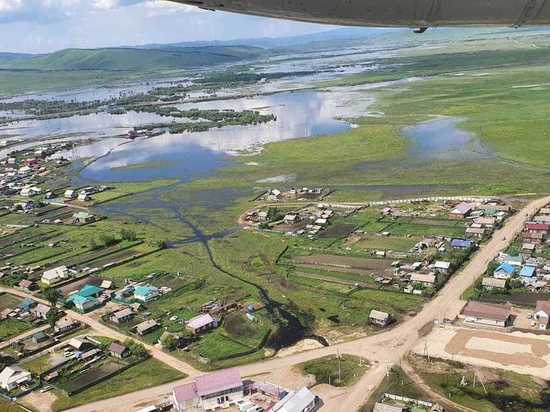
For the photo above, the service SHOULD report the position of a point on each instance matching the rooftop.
(486, 311)
(218, 381)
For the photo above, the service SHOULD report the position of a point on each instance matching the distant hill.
(130, 59)
(11, 57)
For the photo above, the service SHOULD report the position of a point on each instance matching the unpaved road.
(383, 350)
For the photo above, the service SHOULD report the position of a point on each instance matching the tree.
(53, 316)
(108, 240)
(136, 349)
(92, 243)
(168, 341)
(127, 234)
(52, 295)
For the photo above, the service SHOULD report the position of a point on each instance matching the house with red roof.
(209, 392)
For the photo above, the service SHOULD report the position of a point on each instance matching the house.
(461, 244)
(476, 232)
(65, 324)
(84, 197)
(442, 266)
(486, 314)
(384, 407)
(12, 377)
(212, 391)
(84, 303)
(122, 316)
(542, 314)
(39, 337)
(291, 219)
(493, 283)
(28, 285)
(504, 271)
(527, 272)
(537, 227)
(81, 218)
(40, 311)
(88, 291)
(527, 249)
(426, 279)
(380, 318)
(486, 221)
(70, 194)
(301, 401)
(80, 344)
(52, 276)
(26, 304)
(146, 327)
(118, 351)
(461, 211)
(146, 293)
(30, 191)
(201, 323)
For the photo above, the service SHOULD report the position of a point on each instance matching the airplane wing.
(392, 13)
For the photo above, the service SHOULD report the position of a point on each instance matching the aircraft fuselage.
(392, 13)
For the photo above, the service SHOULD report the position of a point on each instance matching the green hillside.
(129, 59)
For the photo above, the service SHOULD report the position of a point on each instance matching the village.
(66, 267)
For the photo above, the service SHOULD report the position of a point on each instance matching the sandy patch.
(302, 346)
(497, 346)
(520, 352)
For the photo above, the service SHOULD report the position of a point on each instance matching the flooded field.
(442, 139)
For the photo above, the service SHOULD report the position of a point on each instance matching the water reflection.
(192, 155)
(441, 139)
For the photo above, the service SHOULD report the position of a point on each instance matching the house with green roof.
(90, 291)
(146, 293)
(83, 303)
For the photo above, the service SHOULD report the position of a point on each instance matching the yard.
(13, 327)
(143, 375)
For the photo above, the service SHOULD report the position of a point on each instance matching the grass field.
(336, 371)
(6, 406)
(144, 375)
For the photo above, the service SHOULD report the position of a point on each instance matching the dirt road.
(113, 334)
(383, 350)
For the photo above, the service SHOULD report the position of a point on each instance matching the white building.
(302, 401)
(13, 376)
(49, 277)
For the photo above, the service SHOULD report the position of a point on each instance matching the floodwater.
(188, 156)
(442, 139)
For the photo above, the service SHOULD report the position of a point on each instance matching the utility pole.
(339, 366)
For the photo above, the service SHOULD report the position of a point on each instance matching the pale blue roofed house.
(84, 303)
(146, 293)
(504, 271)
(527, 272)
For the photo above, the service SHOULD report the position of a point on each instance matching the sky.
(38, 26)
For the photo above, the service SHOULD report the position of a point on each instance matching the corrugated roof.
(486, 311)
(218, 381)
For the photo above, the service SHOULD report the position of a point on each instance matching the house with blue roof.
(83, 303)
(527, 272)
(90, 291)
(504, 271)
(146, 293)
(26, 304)
(461, 243)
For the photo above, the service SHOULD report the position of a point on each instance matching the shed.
(379, 318)
(118, 351)
(493, 283)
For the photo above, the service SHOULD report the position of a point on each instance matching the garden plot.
(345, 263)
